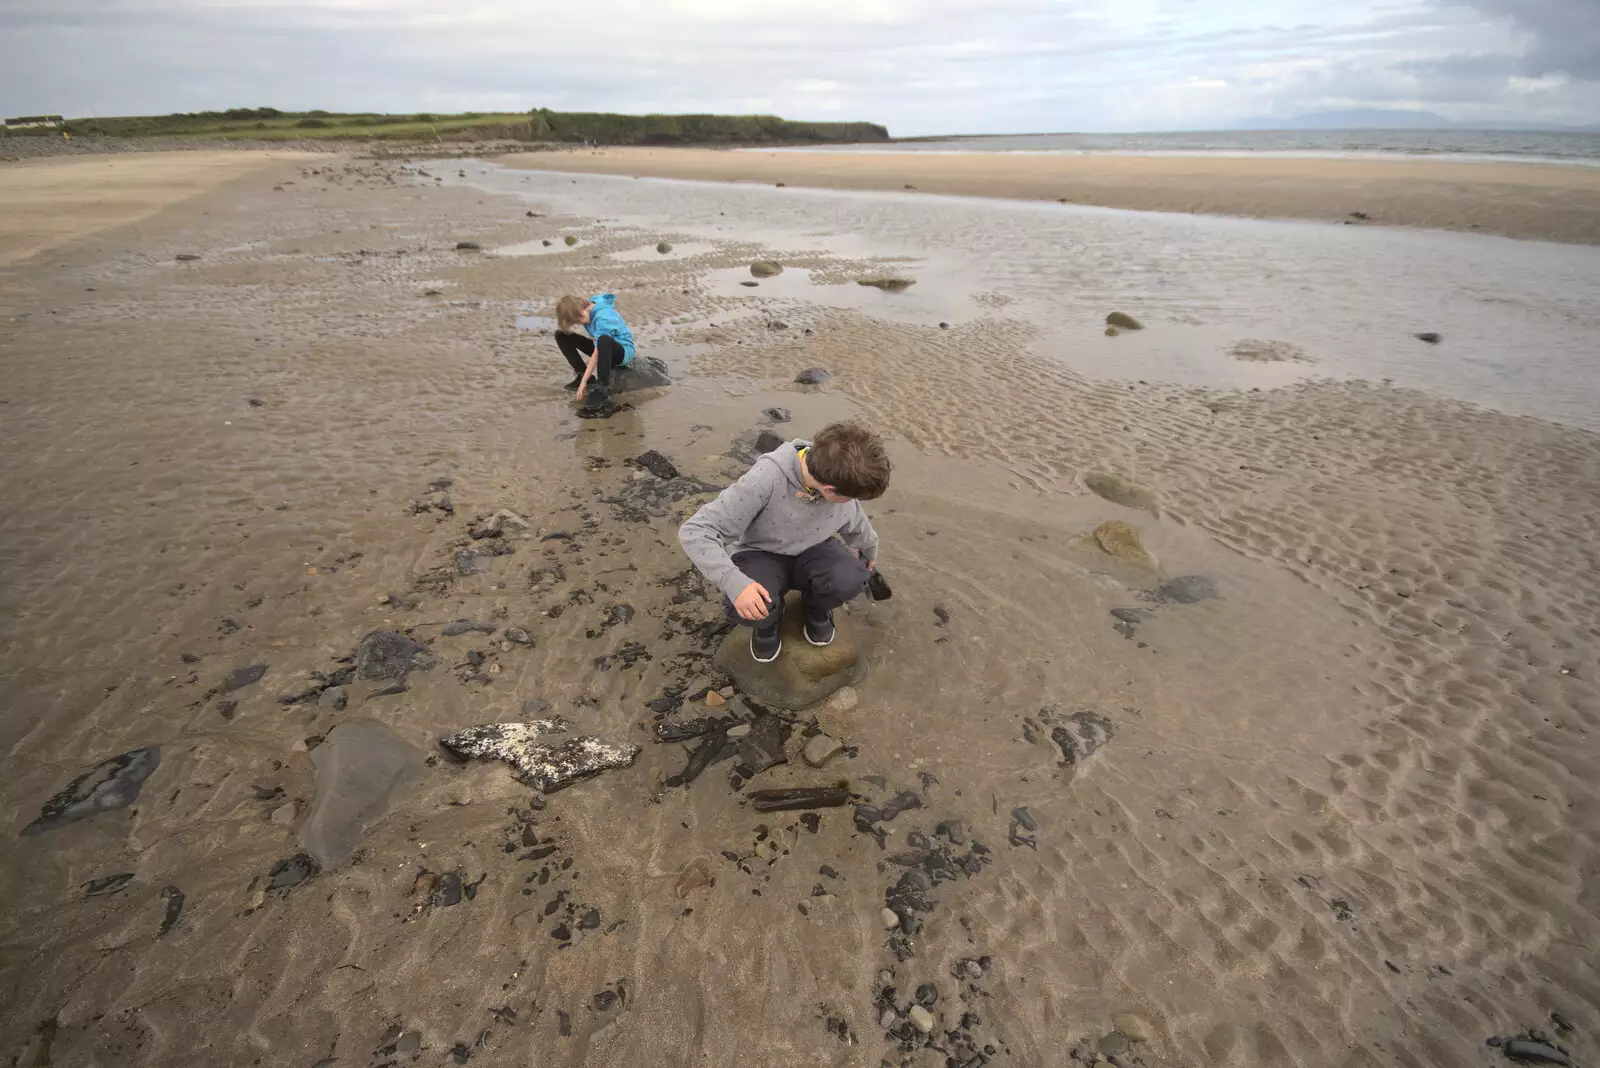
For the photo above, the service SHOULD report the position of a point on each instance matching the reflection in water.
(1518, 318)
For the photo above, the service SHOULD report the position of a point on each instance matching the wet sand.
(1345, 814)
(1544, 202)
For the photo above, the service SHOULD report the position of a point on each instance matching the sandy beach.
(1547, 203)
(1306, 776)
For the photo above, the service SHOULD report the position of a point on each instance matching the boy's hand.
(753, 602)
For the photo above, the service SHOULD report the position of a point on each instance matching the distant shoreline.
(1537, 202)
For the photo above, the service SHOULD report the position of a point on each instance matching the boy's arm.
(708, 533)
(859, 534)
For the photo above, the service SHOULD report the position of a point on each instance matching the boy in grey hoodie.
(773, 531)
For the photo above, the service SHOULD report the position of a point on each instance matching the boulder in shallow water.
(804, 674)
(1123, 321)
(766, 268)
(360, 764)
(109, 785)
(1121, 540)
(645, 372)
(1119, 490)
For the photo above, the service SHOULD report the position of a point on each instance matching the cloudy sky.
(919, 66)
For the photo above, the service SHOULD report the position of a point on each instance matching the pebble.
(821, 749)
(973, 969)
(844, 699)
(284, 815)
(1136, 1028)
(715, 699)
(738, 730)
(888, 1019)
(889, 918)
(518, 635)
(922, 1018)
(333, 699)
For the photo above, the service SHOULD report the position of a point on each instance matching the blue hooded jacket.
(605, 322)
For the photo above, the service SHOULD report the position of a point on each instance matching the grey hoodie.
(771, 510)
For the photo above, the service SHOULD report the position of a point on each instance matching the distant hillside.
(541, 124)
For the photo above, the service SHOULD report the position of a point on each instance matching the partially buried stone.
(570, 240)
(664, 247)
(333, 699)
(518, 635)
(239, 678)
(359, 766)
(290, 873)
(813, 376)
(763, 746)
(1123, 321)
(770, 441)
(467, 246)
(888, 285)
(922, 1018)
(173, 899)
(107, 885)
(889, 918)
(821, 749)
(776, 415)
(1118, 490)
(799, 797)
(109, 785)
(766, 268)
(1528, 1051)
(1121, 540)
(1185, 589)
(467, 626)
(446, 891)
(186, 257)
(549, 767)
(1137, 1028)
(388, 654)
(803, 676)
(1430, 337)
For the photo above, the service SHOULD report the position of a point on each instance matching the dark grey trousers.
(827, 575)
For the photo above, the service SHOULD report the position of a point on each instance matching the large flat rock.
(803, 675)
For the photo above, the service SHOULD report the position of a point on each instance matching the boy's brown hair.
(569, 310)
(851, 459)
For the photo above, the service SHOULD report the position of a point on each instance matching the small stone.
(739, 730)
(813, 376)
(664, 247)
(776, 415)
(766, 268)
(467, 246)
(888, 285)
(715, 699)
(844, 699)
(922, 1018)
(888, 1019)
(333, 699)
(726, 691)
(408, 1044)
(821, 749)
(1123, 321)
(1121, 540)
(284, 815)
(1430, 337)
(518, 635)
(570, 240)
(944, 326)
(239, 678)
(889, 918)
(1137, 1028)
(973, 969)
(186, 257)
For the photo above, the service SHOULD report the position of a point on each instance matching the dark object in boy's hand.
(878, 586)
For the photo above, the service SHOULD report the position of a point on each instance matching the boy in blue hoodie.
(609, 343)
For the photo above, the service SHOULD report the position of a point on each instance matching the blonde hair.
(569, 312)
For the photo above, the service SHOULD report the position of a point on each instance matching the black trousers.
(827, 575)
(577, 349)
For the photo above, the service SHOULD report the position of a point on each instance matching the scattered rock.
(888, 285)
(359, 765)
(1137, 1028)
(769, 441)
(799, 797)
(1121, 540)
(922, 1018)
(715, 700)
(549, 767)
(290, 873)
(388, 654)
(284, 814)
(749, 284)
(239, 678)
(173, 899)
(333, 699)
(775, 415)
(467, 626)
(1119, 490)
(766, 268)
(664, 247)
(821, 749)
(497, 524)
(570, 240)
(186, 257)
(739, 730)
(1527, 1051)
(1430, 338)
(1123, 321)
(656, 464)
(845, 700)
(813, 376)
(107, 885)
(518, 636)
(467, 246)
(109, 785)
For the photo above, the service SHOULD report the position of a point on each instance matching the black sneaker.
(767, 642)
(819, 627)
(572, 387)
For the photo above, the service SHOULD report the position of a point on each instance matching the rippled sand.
(1346, 813)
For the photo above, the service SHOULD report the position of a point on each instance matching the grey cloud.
(1565, 34)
